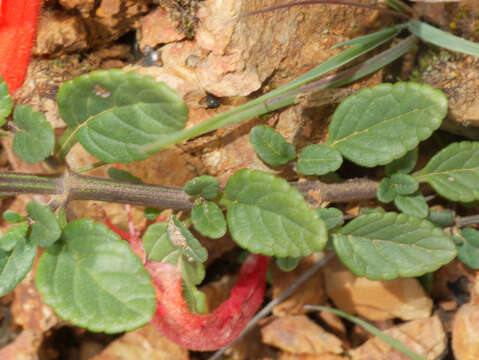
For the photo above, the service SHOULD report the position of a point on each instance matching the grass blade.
(372, 329)
(443, 39)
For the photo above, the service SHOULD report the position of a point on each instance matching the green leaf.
(271, 146)
(441, 218)
(92, 279)
(468, 251)
(6, 104)
(332, 217)
(386, 191)
(454, 172)
(193, 274)
(266, 215)
(318, 160)
(404, 184)
(414, 204)
(183, 239)
(15, 265)
(390, 245)
(13, 217)
(113, 113)
(288, 263)
(443, 39)
(13, 236)
(45, 230)
(403, 165)
(206, 186)
(375, 126)
(35, 140)
(123, 175)
(151, 213)
(157, 245)
(208, 220)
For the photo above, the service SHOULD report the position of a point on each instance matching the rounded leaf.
(318, 160)
(92, 279)
(404, 184)
(288, 263)
(468, 250)
(114, 113)
(13, 236)
(414, 204)
(35, 140)
(454, 172)
(390, 245)
(206, 186)
(270, 146)
(13, 217)
(16, 264)
(403, 165)
(46, 229)
(332, 217)
(208, 220)
(157, 245)
(386, 191)
(266, 215)
(378, 125)
(6, 104)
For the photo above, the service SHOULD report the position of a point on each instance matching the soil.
(216, 58)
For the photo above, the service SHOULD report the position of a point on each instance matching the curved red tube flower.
(18, 24)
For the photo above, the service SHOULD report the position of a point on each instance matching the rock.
(310, 293)
(83, 6)
(288, 356)
(145, 343)
(245, 51)
(375, 300)
(24, 347)
(465, 332)
(183, 53)
(299, 335)
(423, 336)
(59, 33)
(157, 28)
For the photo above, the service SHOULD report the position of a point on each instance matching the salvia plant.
(100, 278)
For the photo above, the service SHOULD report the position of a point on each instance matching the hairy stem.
(73, 186)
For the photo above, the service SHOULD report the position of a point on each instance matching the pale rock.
(299, 335)
(83, 6)
(158, 28)
(310, 293)
(183, 53)
(289, 356)
(465, 332)
(245, 51)
(423, 336)
(402, 298)
(145, 343)
(24, 347)
(59, 33)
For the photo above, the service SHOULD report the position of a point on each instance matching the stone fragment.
(465, 332)
(158, 28)
(310, 293)
(402, 298)
(24, 347)
(145, 343)
(183, 53)
(299, 335)
(423, 336)
(83, 6)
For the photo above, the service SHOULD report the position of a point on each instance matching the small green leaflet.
(266, 215)
(441, 38)
(378, 125)
(270, 146)
(157, 245)
(12, 217)
(15, 265)
(386, 191)
(208, 220)
(92, 279)
(181, 238)
(123, 175)
(35, 140)
(413, 204)
(6, 104)
(404, 184)
(318, 160)
(46, 229)
(468, 251)
(288, 263)
(390, 245)
(205, 185)
(113, 114)
(454, 172)
(13, 236)
(332, 217)
(441, 218)
(403, 165)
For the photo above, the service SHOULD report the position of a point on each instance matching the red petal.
(213, 331)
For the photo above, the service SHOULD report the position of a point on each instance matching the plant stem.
(73, 186)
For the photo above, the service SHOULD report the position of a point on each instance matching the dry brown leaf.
(145, 343)
(424, 336)
(375, 300)
(299, 335)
